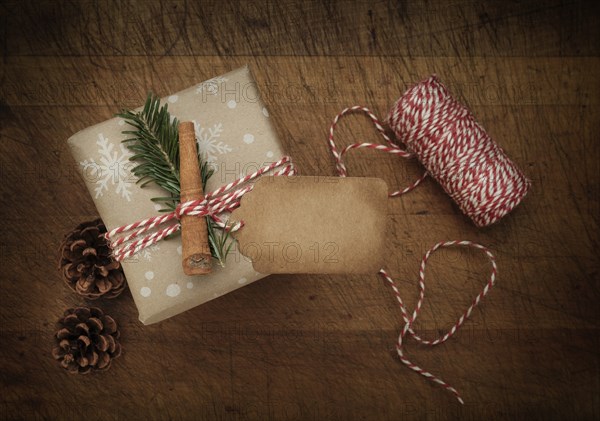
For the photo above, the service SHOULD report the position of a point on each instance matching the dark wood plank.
(384, 28)
(317, 347)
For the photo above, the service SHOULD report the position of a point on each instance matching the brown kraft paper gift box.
(234, 134)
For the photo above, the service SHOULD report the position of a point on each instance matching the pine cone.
(87, 340)
(87, 265)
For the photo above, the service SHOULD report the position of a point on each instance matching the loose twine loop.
(438, 131)
(409, 319)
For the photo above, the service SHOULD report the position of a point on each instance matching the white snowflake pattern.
(211, 86)
(113, 167)
(208, 141)
(147, 252)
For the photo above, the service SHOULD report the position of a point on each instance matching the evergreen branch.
(155, 144)
(155, 147)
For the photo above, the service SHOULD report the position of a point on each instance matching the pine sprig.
(155, 147)
(154, 144)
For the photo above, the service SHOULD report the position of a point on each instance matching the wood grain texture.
(317, 347)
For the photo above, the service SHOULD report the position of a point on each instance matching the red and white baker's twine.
(455, 150)
(224, 199)
(410, 319)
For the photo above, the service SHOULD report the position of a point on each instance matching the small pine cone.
(87, 265)
(87, 340)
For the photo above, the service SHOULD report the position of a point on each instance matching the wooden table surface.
(317, 347)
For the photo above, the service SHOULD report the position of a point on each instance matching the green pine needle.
(218, 240)
(154, 143)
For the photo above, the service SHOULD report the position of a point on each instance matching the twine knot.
(215, 204)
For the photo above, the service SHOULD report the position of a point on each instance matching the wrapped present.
(234, 135)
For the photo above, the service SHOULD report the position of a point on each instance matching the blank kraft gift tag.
(314, 225)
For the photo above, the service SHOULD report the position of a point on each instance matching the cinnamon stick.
(197, 259)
